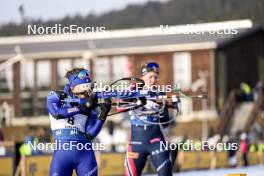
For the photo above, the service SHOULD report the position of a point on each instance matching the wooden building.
(36, 64)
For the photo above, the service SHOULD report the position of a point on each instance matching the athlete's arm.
(57, 109)
(95, 124)
(164, 115)
(164, 112)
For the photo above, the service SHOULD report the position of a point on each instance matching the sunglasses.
(81, 75)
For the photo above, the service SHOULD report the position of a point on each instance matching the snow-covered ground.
(250, 171)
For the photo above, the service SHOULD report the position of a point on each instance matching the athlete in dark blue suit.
(146, 135)
(75, 125)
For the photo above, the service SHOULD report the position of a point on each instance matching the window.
(27, 75)
(43, 80)
(6, 81)
(101, 70)
(121, 67)
(26, 85)
(43, 85)
(64, 65)
(82, 63)
(182, 70)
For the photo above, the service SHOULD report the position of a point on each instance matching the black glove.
(61, 94)
(175, 103)
(88, 136)
(91, 102)
(105, 108)
(164, 114)
(143, 100)
(164, 110)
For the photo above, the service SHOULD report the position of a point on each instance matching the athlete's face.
(150, 79)
(79, 93)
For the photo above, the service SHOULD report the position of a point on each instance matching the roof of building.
(129, 41)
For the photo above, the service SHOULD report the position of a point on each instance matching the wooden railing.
(258, 104)
(227, 113)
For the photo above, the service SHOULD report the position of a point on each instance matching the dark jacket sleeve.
(165, 117)
(164, 113)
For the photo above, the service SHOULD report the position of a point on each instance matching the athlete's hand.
(163, 111)
(105, 108)
(175, 102)
(91, 101)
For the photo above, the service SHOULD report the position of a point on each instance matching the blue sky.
(53, 9)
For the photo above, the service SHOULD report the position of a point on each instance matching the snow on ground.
(250, 171)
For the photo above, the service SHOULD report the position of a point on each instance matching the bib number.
(71, 120)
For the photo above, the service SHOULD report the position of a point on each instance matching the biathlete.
(146, 135)
(75, 125)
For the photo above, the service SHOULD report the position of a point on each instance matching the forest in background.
(154, 13)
